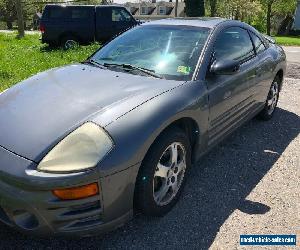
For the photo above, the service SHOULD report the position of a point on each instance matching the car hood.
(40, 111)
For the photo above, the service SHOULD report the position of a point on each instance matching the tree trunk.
(19, 9)
(237, 13)
(9, 24)
(176, 7)
(269, 11)
(213, 8)
(194, 8)
(285, 25)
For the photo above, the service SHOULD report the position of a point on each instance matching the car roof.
(207, 22)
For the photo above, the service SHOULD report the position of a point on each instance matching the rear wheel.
(271, 102)
(69, 42)
(162, 175)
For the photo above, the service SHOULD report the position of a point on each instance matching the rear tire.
(271, 102)
(163, 172)
(69, 42)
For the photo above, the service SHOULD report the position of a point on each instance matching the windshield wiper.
(95, 63)
(125, 66)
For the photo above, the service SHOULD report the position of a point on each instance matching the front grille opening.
(83, 208)
(74, 216)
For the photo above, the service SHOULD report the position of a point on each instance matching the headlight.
(81, 149)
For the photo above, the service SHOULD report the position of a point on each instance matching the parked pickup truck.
(66, 25)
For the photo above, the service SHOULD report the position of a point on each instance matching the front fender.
(135, 131)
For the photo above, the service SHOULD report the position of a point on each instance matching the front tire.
(162, 175)
(271, 102)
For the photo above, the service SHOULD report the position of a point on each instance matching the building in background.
(155, 10)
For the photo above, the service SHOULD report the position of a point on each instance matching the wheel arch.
(190, 127)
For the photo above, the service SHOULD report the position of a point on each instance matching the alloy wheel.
(272, 98)
(169, 174)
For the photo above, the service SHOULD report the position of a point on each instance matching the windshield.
(169, 51)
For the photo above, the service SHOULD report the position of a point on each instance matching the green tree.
(213, 7)
(277, 8)
(8, 12)
(268, 4)
(194, 8)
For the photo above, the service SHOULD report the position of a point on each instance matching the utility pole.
(19, 10)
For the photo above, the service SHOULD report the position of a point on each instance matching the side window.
(258, 44)
(120, 15)
(235, 44)
(79, 13)
(104, 15)
(56, 12)
(126, 15)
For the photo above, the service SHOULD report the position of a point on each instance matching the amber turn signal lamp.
(77, 192)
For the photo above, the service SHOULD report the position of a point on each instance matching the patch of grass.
(288, 40)
(22, 58)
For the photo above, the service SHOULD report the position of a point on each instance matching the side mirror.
(224, 67)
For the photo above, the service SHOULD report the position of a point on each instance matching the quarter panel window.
(258, 44)
(234, 44)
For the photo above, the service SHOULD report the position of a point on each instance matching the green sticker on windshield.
(184, 70)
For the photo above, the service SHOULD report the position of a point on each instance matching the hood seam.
(144, 103)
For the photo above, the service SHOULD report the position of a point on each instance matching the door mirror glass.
(224, 67)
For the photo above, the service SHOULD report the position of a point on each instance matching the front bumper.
(27, 203)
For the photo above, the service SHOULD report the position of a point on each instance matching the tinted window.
(56, 12)
(171, 51)
(104, 14)
(79, 13)
(69, 12)
(120, 15)
(234, 44)
(258, 44)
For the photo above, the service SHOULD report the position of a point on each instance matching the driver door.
(230, 95)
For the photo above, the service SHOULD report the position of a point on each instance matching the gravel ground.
(293, 71)
(247, 185)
